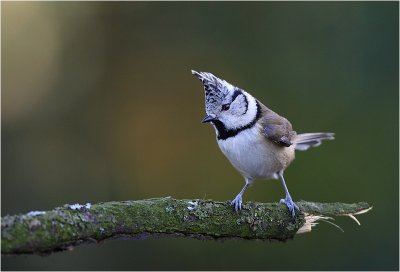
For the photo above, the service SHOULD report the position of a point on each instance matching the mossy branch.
(71, 225)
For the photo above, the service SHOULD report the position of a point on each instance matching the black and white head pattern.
(233, 108)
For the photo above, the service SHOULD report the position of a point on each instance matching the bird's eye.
(225, 107)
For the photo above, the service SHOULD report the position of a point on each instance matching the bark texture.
(62, 228)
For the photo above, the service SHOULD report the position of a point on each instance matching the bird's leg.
(288, 200)
(237, 202)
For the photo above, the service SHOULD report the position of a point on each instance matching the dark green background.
(98, 104)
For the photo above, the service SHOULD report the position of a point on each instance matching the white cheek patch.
(239, 106)
(252, 108)
(233, 121)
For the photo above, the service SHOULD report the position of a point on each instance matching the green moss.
(62, 227)
(332, 209)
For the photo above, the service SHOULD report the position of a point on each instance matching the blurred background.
(98, 104)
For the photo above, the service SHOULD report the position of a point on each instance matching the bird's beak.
(209, 118)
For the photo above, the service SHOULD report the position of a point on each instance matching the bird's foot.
(237, 202)
(290, 204)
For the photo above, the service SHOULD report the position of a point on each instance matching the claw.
(290, 204)
(237, 203)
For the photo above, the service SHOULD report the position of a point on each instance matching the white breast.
(254, 156)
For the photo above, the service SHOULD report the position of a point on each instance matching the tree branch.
(71, 225)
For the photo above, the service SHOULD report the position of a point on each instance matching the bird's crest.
(216, 89)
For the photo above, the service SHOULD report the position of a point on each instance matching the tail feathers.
(306, 140)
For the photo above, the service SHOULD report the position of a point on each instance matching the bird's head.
(226, 103)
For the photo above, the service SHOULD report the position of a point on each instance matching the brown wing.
(276, 128)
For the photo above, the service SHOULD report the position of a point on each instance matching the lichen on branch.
(40, 232)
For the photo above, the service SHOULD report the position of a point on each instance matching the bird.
(257, 141)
